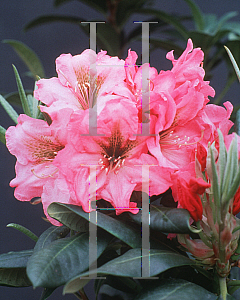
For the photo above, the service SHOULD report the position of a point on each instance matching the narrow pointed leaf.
(2, 135)
(16, 259)
(197, 14)
(22, 93)
(215, 185)
(24, 230)
(175, 289)
(14, 277)
(51, 234)
(237, 123)
(73, 216)
(28, 56)
(62, 260)
(231, 169)
(171, 20)
(222, 159)
(129, 264)
(234, 63)
(9, 109)
(168, 220)
(14, 98)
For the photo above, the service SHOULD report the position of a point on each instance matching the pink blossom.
(35, 145)
(117, 158)
(82, 80)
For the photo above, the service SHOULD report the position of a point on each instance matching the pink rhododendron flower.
(36, 144)
(82, 80)
(117, 158)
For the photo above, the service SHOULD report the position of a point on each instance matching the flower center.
(114, 150)
(43, 149)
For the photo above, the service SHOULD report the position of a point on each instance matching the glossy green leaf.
(171, 20)
(9, 109)
(14, 277)
(53, 233)
(14, 259)
(22, 93)
(24, 230)
(129, 264)
(28, 56)
(13, 268)
(168, 220)
(62, 260)
(175, 289)
(75, 285)
(53, 18)
(73, 217)
(2, 135)
(197, 14)
(99, 5)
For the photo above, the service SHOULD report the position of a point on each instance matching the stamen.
(43, 176)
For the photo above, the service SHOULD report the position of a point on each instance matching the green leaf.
(197, 14)
(107, 37)
(73, 216)
(14, 98)
(171, 20)
(234, 63)
(28, 56)
(13, 268)
(129, 264)
(166, 45)
(24, 230)
(14, 277)
(168, 220)
(53, 233)
(9, 109)
(222, 160)
(15, 259)
(75, 285)
(33, 105)
(126, 8)
(53, 18)
(62, 260)
(22, 93)
(47, 292)
(175, 289)
(2, 135)
(237, 123)
(99, 5)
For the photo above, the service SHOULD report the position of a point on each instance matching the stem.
(223, 287)
(83, 295)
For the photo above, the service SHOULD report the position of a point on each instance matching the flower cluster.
(93, 144)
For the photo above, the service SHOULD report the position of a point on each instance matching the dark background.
(49, 41)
